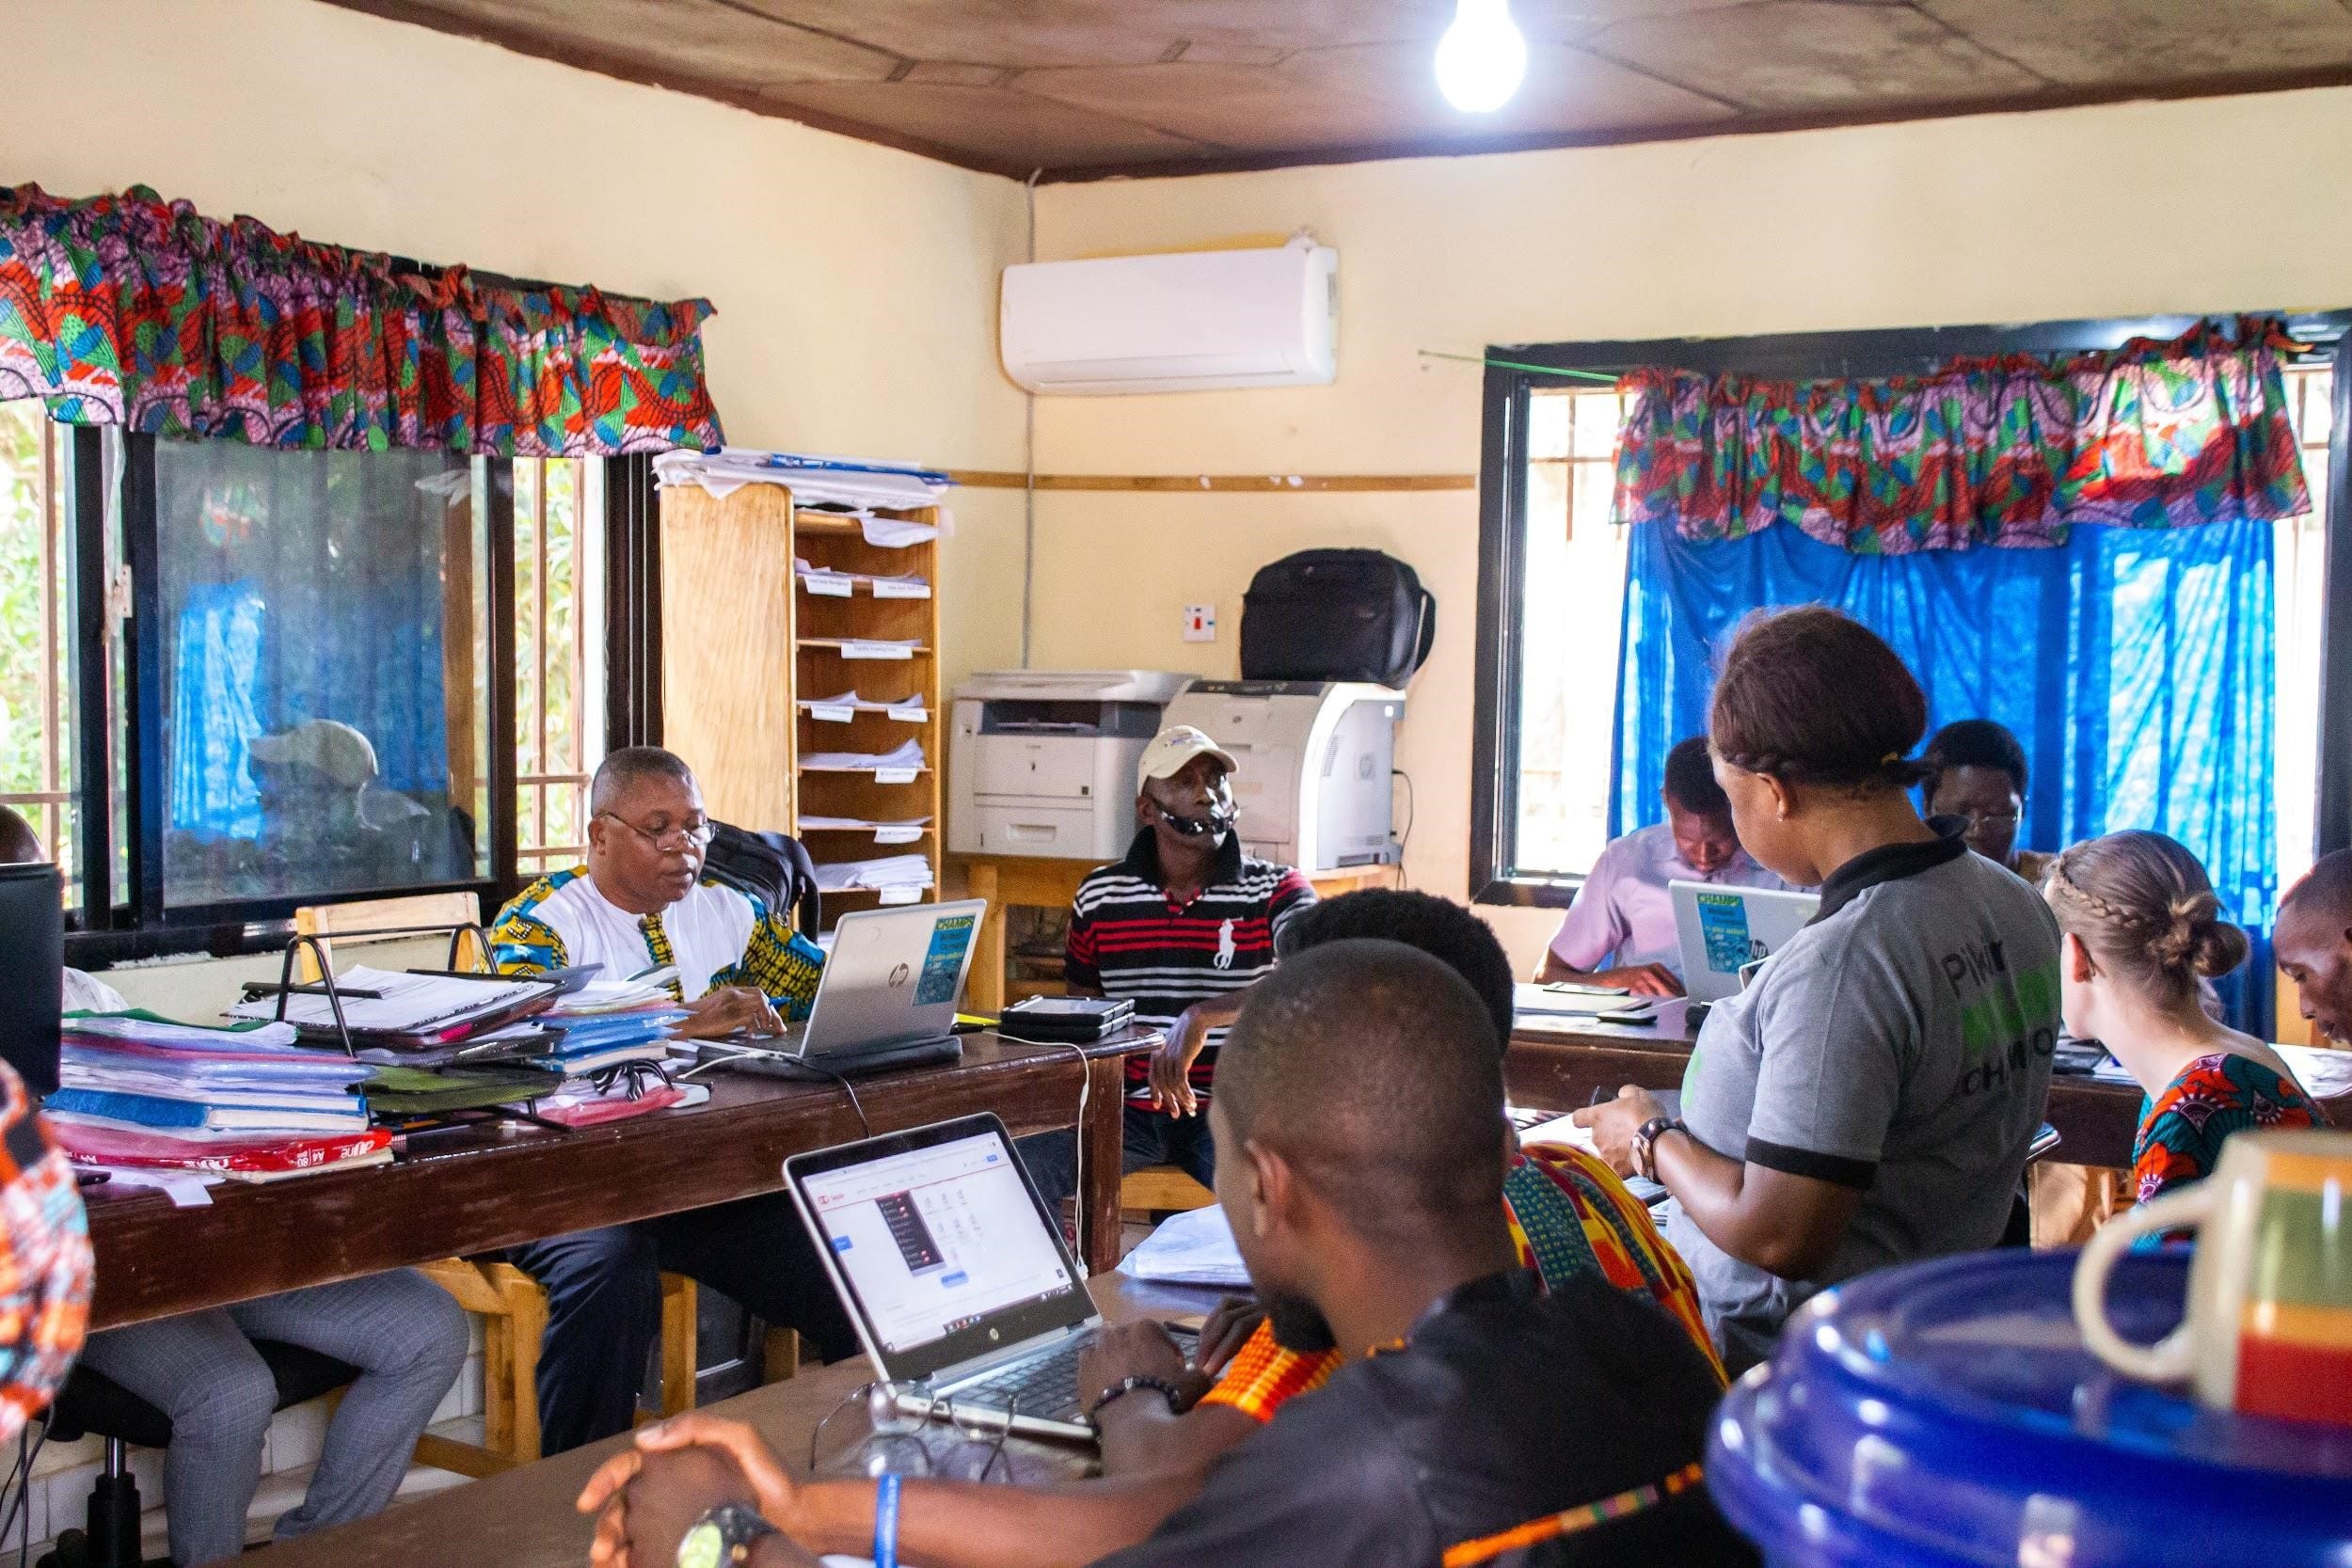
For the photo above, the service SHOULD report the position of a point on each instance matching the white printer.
(1315, 762)
(1043, 761)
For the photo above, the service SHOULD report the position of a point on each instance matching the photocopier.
(1043, 761)
(1316, 763)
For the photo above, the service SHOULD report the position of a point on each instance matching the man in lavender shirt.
(1620, 931)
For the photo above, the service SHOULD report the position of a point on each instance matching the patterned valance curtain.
(2007, 452)
(134, 311)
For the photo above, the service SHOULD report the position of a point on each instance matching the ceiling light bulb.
(1481, 58)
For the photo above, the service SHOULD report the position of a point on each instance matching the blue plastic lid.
(1947, 1413)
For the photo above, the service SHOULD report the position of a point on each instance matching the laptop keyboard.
(1047, 1387)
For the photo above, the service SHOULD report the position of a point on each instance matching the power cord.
(812, 1074)
(1086, 1085)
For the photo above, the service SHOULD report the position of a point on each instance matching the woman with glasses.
(1976, 774)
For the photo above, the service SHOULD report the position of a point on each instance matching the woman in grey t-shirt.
(1870, 1097)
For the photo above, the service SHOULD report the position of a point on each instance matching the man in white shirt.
(639, 907)
(1620, 931)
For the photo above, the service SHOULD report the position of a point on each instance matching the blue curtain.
(2135, 665)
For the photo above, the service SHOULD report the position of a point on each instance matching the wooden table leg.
(1101, 1139)
(985, 992)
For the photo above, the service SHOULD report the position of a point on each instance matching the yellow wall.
(2211, 205)
(855, 285)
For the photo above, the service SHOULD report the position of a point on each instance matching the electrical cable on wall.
(1028, 465)
(1405, 840)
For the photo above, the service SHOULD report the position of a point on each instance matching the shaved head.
(1374, 1070)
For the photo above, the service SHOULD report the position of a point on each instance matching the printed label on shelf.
(831, 713)
(908, 713)
(902, 588)
(902, 895)
(830, 587)
(854, 649)
(895, 775)
(911, 833)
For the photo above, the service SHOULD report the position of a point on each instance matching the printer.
(1043, 761)
(1314, 787)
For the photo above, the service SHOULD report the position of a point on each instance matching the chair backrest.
(774, 866)
(377, 914)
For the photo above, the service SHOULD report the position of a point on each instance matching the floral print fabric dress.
(2181, 1129)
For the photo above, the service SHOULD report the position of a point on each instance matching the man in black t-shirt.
(1358, 1106)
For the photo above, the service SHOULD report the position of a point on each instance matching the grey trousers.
(405, 1335)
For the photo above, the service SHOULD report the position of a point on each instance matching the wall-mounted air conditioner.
(1178, 322)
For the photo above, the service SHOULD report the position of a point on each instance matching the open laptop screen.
(943, 1250)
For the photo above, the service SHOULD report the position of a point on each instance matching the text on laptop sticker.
(943, 966)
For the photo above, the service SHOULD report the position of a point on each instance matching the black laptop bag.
(1337, 615)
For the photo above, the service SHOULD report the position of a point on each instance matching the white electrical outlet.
(1199, 622)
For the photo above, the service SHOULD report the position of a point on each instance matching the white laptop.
(954, 1271)
(886, 997)
(1724, 929)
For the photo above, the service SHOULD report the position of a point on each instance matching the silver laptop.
(1724, 929)
(887, 995)
(953, 1271)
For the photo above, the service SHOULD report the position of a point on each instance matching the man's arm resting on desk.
(1172, 1064)
(650, 1494)
(1641, 980)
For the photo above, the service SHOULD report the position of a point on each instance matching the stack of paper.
(908, 830)
(814, 481)
(841, 710)
(1580, 1002)
(897, 766)
(831, 583)
(406, 1010)
(890, 873)
(1192, 1248)
(140, 1090)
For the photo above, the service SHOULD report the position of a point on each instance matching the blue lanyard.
(886, 1522)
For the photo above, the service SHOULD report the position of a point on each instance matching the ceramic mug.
(2268, 1330)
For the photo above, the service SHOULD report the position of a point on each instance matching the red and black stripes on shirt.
(1129, 942)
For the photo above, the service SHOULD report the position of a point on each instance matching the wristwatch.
(1645, 1144)
(723, 1538)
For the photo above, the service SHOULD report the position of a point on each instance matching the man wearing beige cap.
(1182, 928)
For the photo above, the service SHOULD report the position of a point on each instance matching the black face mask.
(1216, 824)
(1299, 1325)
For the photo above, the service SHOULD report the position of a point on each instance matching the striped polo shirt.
(1130, 942)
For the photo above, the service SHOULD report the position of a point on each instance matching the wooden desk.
(1051, 884)
(524, 1519)
(472, 1188)
(1555, 1064)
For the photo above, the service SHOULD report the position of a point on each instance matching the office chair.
(92, 1403)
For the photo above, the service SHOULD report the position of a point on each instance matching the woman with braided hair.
(1870, 1097)
(2141, 928)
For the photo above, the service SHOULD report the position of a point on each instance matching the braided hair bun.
(2145, 907)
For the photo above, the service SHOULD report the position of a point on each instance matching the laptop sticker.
(1724, 927)
(943, 966)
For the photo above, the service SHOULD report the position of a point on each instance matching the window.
(2302, 568)
(559, 664)
(38, 721)
(316, 708)
(1575, 574)
(302, 674)
(1552, 577)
